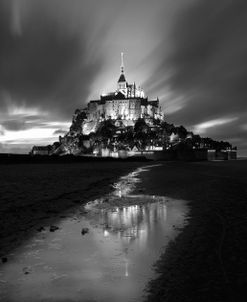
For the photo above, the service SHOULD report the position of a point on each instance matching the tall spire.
(122, 62)
(122, 76)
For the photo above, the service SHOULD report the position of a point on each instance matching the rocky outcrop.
(92, 136)
(77, 122)
(72, 142)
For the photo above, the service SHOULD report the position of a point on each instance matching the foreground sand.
(208, 260)
(34, 195)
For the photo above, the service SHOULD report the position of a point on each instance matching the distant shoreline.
(11, 158)
(6, 158)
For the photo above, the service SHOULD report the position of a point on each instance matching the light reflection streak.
(131, 217)
(126, 268)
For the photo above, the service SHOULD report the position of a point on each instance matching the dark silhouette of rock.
(53, 228)
(26, 270)
(84, 231)
(4, 259)
(40, 229)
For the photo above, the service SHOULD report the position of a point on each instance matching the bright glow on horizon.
(37, 128)
(22, 141)
(29, 135)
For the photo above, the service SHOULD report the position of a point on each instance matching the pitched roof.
(122, 78)
(119, 95)
(41, 148)
(154, 103)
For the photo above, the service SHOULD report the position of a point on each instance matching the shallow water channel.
(123, 236)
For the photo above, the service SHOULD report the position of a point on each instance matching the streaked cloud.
(203, 127)
(60, 132)
(244, 127)
(1, 130)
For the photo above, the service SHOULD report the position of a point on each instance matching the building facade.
(127, 103)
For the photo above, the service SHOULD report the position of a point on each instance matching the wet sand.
(97, 253)
(37, 195)
(207, 261)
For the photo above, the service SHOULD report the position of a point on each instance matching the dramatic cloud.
(43, 63)
(202, 128)
(14, 125)
(57, 54)
(206, 68)
(47, 64)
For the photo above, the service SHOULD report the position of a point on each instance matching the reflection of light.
(134, 222)
(106, 233)
(126, 268)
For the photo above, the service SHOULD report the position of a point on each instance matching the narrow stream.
(105, 252)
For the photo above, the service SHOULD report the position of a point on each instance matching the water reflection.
(127, 183)
(112, 262)
(134, 221)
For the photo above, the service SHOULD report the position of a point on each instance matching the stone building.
(41, 150)
(127, 103)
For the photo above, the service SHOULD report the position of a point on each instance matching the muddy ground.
(208, 260)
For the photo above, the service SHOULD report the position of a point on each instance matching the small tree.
(105, 132)
(182, 132)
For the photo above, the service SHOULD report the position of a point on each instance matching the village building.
(40, 150)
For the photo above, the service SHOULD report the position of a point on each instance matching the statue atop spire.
(122, 62)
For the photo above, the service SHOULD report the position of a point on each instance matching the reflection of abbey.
(127, 103)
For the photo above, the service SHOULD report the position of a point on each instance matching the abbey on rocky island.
(125, 123)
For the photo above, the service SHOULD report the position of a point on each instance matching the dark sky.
(57, 54)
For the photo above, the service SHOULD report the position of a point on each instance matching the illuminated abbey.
(125, 123)
(128, 103)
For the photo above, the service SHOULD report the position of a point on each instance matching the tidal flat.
(34, 195)
(103, 251)
(206, 261)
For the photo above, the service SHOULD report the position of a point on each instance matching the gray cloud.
(207, 64)
(14, 125)
(60, 132)
(44, 64)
